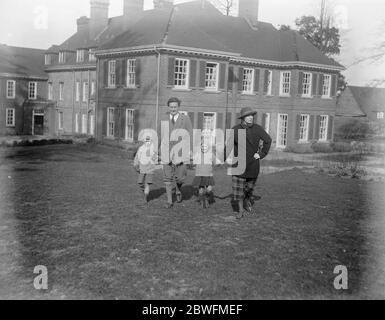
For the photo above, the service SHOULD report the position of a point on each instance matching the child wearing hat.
(144, 164)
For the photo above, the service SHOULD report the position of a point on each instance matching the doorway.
(38, 125)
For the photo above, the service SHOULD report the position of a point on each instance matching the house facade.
(215, 65)
(24, 108)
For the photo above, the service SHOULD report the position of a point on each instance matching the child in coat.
(145, 165)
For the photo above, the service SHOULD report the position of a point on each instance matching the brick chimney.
(159, 4)
(248, 9)
(99, 16)
(132, 7)
(83, 23)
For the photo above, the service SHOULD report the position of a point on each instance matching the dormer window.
(47, 59)
(80, 55)
(91, 55)
(62, 57)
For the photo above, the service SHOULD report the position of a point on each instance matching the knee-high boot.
(169, 194)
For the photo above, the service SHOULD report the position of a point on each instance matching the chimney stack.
(99, 16)
(248, 9)
(160, 4)
(132, 7)
(83, 23)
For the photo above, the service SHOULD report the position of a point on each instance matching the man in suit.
(175, 159)
(243, 184)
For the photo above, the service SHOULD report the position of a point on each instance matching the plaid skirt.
(243, 188)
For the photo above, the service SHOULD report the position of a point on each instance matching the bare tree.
(227, 7)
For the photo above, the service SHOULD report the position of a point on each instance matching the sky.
(41, 23)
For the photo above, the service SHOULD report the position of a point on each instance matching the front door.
(38, 125)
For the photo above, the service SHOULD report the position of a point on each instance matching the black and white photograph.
(192, 150)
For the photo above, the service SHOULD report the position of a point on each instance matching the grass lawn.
(78, 211)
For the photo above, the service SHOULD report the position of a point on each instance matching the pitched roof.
(347, 105)
(190, 25)
(25, 62)
(369, 99)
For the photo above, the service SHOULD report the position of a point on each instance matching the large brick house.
(216, 65)
(72, 67)
(24, 109)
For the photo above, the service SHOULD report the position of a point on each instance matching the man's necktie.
(173, 119)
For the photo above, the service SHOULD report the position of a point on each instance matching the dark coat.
(254, 135)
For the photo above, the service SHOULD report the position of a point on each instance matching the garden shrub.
(319, 147)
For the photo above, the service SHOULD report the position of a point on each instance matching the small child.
(204, 177)
(144, 164)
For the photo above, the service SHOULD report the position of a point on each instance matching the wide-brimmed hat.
(247, 111)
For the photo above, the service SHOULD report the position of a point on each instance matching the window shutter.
(316, 126)
(116, 120)
(200, 120)
(240, 79)
(105, 123)
(330, 128)
(300, 83)
(202, 74)
(171, 72)
(192, 117)
(256, 80)
(334, 85)
(228, 120)
(297, 127)
(220, 120)
(314, 84)
(136, 125)
(138, 72)
(193, 73)
(222, 76)
(105, 75)
(311, 128)
(266, 82)
(118, 72)
(124, 73)
(320, 84)
(231, 77)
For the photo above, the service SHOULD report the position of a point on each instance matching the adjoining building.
(361, 109)
(24, 108)
(216, 65)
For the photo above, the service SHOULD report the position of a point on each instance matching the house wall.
(195, 100)
(69, 106)
(22, 105)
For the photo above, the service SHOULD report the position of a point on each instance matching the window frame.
(281, 85)
(84, 123)
(77, 91)
(32, 83)
(93, 87)
(279, 124)
(47, 59)
(130, 125)
(380, 115)
(77, 122)
(62, 57)
(80, 55)
(13, 96)
(304, 130)
(267, 122)
(61, 91)
(50, 91)
(307, 85)
(85, 93)
(270, 83)
(109, 109)
(324, 129)
(245, 81)
(215, 76)
(131, 74)
(92, 125)
(326, 96)
(186, 78)
(13, 124)
(60, 120)
(91, 55)
(112, 74)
